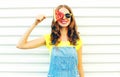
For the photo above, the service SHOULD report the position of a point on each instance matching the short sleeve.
(79, 44)
(47, 39)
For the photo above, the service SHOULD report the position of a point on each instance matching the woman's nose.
(64, 17)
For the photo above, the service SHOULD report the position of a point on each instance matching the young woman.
(64, 43)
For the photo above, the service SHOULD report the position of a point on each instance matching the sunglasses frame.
(68, 15)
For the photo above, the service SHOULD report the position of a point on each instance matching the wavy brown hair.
(72, 33)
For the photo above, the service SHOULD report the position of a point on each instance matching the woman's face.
(64, 22)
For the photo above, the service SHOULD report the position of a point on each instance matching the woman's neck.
(64, 34)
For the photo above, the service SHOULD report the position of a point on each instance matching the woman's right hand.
(40, 18)
(24, 43)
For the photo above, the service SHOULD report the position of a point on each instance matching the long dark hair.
(72, 34)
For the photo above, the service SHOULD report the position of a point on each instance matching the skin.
(64, 29)
(64, 11)
(24, 44)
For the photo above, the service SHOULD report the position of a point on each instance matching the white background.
(98, 22)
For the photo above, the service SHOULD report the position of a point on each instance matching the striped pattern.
(99, 25)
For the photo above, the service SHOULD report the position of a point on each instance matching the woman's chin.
(63, 25)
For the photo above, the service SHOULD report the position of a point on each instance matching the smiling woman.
(65, 18)
(64, 43)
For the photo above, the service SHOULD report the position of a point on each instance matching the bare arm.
(80, 66)
(24, 44)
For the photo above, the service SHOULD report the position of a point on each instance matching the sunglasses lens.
(67, 15)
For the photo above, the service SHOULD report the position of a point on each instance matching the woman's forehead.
(64, 10)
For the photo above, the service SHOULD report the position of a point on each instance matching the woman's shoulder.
(48, 41)
(47, 35)
(79, 43)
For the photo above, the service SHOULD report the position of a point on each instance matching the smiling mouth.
(64, 21)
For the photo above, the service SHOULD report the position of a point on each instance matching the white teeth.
(64, 22)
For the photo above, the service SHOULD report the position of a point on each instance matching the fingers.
(40, 17)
